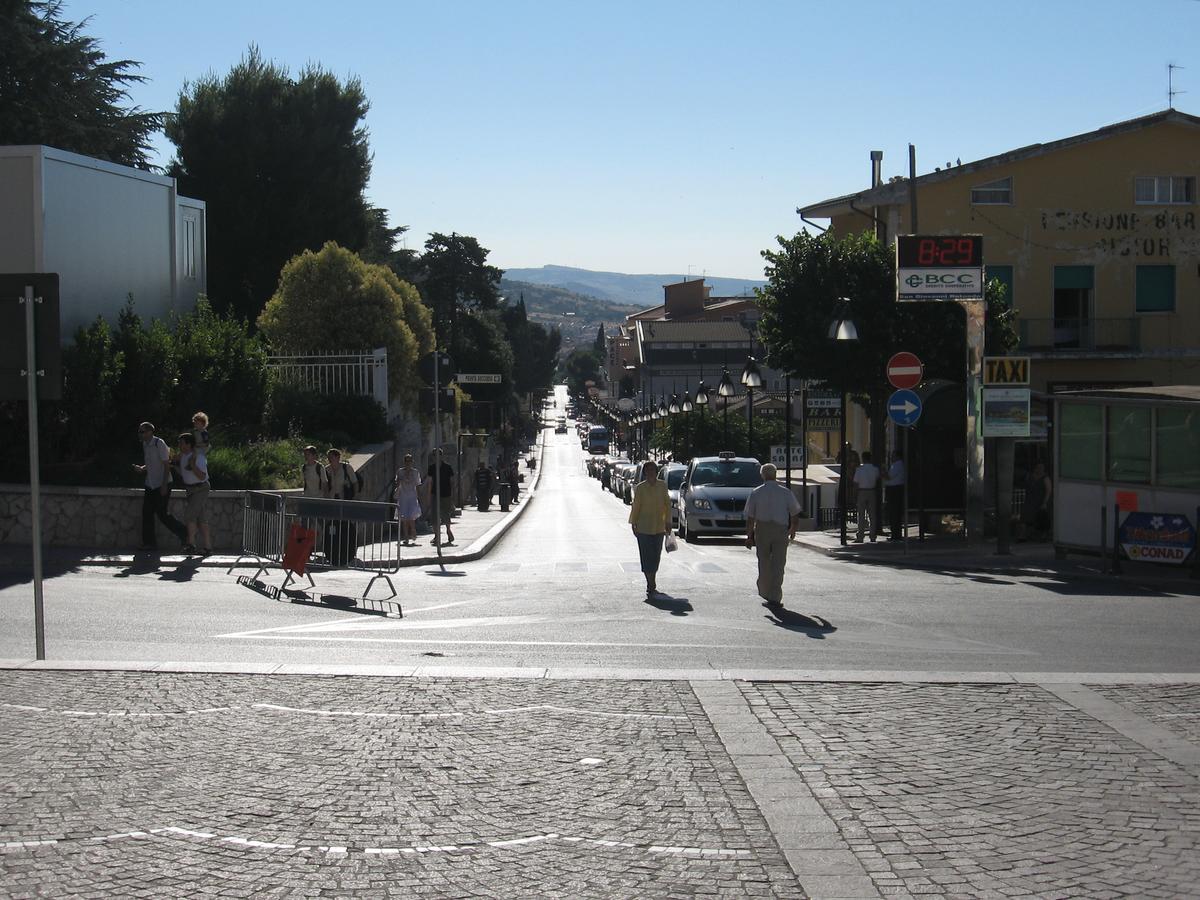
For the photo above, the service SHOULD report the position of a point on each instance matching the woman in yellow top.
(650, 518)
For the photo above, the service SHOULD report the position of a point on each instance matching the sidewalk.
(475, 534)
(952, 553)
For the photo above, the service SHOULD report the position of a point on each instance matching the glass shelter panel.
(1081, 442)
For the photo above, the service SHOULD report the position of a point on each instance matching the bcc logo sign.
(934, 280)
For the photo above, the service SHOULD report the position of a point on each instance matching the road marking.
(389, 640)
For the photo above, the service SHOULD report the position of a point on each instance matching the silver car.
(712, 497)
(672, 474)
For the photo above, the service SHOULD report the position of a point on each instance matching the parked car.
(626, 481)
(712, 496)
(672, 474)
(560, 425)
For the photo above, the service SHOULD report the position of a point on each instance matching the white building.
(109, 231)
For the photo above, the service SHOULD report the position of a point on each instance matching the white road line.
(384, 640)
(356, 713)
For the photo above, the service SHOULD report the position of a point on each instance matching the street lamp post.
(842, 328)
(725, 391)
(701, 400)
(674, 410)
(751, 378)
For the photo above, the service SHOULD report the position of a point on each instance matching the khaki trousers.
(865, 507)
(771, 543)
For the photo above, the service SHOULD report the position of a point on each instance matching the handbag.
(671, 544)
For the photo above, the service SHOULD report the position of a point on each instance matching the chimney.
(876, 168)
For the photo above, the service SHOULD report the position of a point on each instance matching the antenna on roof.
(1171, 92)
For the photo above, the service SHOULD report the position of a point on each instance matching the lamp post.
(701, 400)
(686, 406)
(725, 391)
(842, 328)
(751, 378)
(674, 410)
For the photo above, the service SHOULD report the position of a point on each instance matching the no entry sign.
(904, 370)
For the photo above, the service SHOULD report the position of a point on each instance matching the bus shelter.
(1127, 472)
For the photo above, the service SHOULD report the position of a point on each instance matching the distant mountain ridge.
(640, 291)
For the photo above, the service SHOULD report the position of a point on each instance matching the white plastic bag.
(670, 544)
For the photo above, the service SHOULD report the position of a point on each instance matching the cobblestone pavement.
(137, 785)
(1175, 707)
(979, 791)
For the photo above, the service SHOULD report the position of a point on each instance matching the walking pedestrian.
(312, 475)
(650, 516)
(866, 483)
(772, 514)
(484, 485)
(894, 494)
(157, 471)
(341, 480)
(193, 470)
(441, 494)
(1035, 509)
(408, 506)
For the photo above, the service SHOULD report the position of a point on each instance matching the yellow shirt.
(651, 512)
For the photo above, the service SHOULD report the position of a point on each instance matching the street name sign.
(904, 370)
(939, 267)
(477, 378)
(904, 408)
(1157, 537)
(1000, 370)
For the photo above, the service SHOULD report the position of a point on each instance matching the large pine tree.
(58, 88)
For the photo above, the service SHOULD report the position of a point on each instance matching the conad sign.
(1157, 537)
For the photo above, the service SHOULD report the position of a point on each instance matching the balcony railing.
(1080, 335)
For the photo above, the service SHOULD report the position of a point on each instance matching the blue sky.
(672, 136)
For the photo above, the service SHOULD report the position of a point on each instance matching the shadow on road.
(141, 564)
(676, 606)
(811, 626)
(182, 573)
(23, 574)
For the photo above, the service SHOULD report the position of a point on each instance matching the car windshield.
(734, 473)
(675, 479)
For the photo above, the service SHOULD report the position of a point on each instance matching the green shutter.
(1155, 289)
(1074, 277)
(1003, 274)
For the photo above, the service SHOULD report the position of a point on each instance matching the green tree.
(534, 365)
(455, 277)
(380, 247)
(221, 365)
(332, 300)
(581, 366)
(805, 279)
(282, 163)
(57, 87)
(598, 343)
(92, 369)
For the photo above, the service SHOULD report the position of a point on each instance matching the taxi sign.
(1005, 370)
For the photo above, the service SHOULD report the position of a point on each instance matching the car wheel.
(688, 534)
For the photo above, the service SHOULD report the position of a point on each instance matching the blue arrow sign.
(904, 408)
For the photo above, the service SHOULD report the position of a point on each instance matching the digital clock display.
(917, 251)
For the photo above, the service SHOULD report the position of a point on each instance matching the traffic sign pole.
(35, 488)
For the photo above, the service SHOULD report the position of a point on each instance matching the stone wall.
(108, 519)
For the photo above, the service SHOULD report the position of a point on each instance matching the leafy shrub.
(330, 418)
(221, 368)
(258, 465)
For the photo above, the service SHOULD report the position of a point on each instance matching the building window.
(1155, 289)
(1003, 274)
(1164, 189)
(992, 193)
(1177, 449)
(189, 248)
(1081, 442)
(1073, 287)
(1129, 444)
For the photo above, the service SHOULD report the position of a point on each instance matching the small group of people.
(437, 490)
(867, 479)
(159, 469)
(336, 480)
(487, 480)
(772, 517)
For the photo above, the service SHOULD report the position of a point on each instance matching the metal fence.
(347, 535)
(263, 531)
(356, 372)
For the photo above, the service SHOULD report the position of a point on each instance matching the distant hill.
(576, 315)
(629, 290)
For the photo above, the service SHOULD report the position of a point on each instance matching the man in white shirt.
(772, 514)
(896, 478)
(866, 479)
(156, 467)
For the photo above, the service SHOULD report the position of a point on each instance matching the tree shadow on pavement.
(22, 574)
(811, 626)
(676, 606)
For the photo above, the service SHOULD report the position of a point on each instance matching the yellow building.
(1096, 236)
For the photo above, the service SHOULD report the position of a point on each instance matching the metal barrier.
(263, 532)
(351, 534)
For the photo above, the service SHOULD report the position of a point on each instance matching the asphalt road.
(563, 589)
